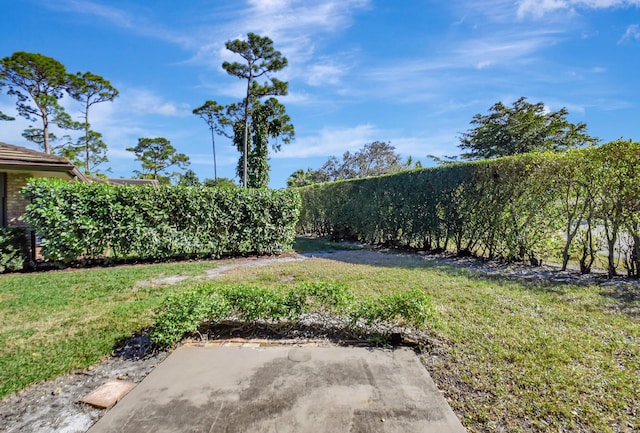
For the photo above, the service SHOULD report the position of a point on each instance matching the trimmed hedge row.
(91, 220)
(515, 208)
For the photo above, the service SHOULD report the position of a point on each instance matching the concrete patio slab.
(284, 389)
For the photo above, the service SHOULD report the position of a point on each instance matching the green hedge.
(89, 220)
(517, 208)
(14, 249)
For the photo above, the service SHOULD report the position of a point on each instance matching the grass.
(54, 322)
(508, 355)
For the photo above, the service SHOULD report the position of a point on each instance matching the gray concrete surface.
(284, 389)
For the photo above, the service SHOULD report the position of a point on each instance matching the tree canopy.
(2, 115)
(89, 89)
(37, 82)
(374, 159)
(210, 112)
(221, 182)
(260, 60)
(268, 121)
(189, 178)
(157, 155)
(522, 128)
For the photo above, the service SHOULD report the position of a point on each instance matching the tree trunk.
(86, 140)
(45, 131)
(215, 166)
(612, 238)
(571, 234)
(245, 135)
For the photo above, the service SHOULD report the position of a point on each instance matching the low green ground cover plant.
(182, 313)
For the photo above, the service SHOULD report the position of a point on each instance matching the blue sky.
(411, 72)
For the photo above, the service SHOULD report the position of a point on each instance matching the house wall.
(15, 203)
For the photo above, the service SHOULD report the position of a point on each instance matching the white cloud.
(632, 32)
(442, 143)
(484, 64)
(337, 141)
(330, 141)
(269, 4)
(539, 8)
(322, 74)
(504, 48)
(135, 21)
(143, 102)
(433, 78)
(292, 24)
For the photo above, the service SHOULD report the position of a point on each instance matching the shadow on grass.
(622, 293)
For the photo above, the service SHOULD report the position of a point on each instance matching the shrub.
(14, 249)
(513, 208)
(91, 220)
(182, 313)
(411, 309)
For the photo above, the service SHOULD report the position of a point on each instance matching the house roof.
(123, 181)
(23, 159)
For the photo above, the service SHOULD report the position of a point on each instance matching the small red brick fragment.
(108, 394)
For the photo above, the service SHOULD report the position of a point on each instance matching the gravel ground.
(54, 406)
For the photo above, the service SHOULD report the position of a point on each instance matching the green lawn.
(54, 322)
(509, 356)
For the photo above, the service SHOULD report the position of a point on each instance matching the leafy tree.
(374, 159)
(2, 115)
(189, 178)
(210, 112)
(575, 180)
(260, 60)
(64, 148)
(523, 128)
(302, 178)
(269, 120)
(90, 89)
(221, 182)
(38, 83)
(157, 155)
(93, 149)
(615, 164)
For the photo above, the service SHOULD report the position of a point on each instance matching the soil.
(54, 406)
